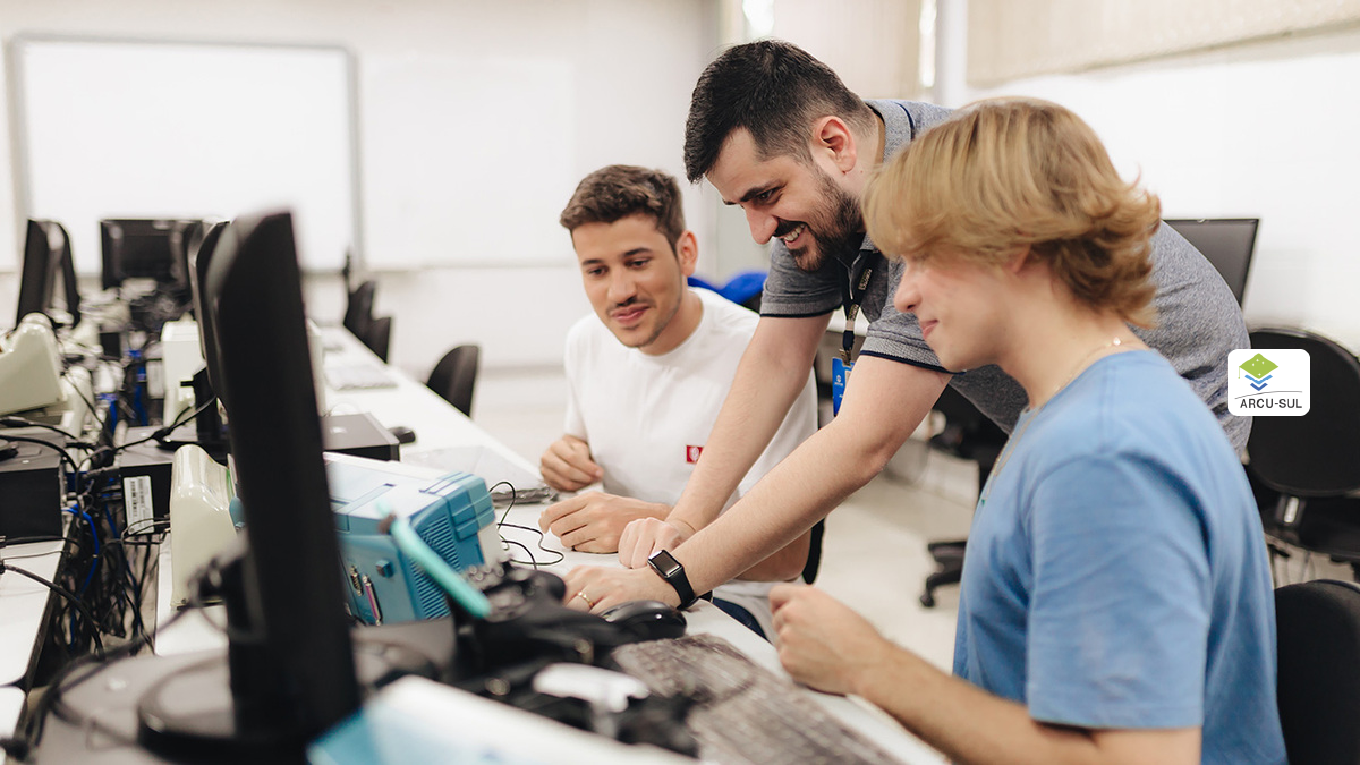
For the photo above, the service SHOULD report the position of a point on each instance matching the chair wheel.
(928, 599)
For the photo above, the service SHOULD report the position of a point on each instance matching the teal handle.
(469, 597)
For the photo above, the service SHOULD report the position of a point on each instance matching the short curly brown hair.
(618, 191)
(1002, 174)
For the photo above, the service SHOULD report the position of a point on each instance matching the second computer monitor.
(47, 266)
(145, 248)
(1227, 243)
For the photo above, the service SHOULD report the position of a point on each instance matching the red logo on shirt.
(692, 454)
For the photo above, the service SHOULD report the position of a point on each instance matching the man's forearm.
(885, 403)
(972, 726)
(793, 496)
(772, 373)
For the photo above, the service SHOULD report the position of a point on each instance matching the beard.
(837, 230)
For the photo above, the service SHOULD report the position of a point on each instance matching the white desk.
(11, 706)
(22, 604)
(439, 426)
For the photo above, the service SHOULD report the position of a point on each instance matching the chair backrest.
(1318, 643)
(359, 309)
(1317, 454)
(379, 337)
(455, 376)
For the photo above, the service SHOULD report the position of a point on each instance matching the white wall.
(1264, 130)
(630, 68)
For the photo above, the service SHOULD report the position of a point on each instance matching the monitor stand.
(219, 705)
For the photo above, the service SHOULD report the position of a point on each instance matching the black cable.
(61, 451)
(514, 496)
(166, 430)
(50, 700)
(532, 560)
(21, 422)
(560, 555)
(153, 524)
(6, 541)
(65, 593)
(140, 542)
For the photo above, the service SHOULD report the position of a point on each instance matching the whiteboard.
(138, 129)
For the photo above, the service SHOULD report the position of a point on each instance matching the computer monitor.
(254, 301)
(291, 664)
(1227, 243)
(47, 266)
(145, 248)
(199, 260)
(210, 432)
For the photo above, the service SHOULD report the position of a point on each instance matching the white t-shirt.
(647, 418)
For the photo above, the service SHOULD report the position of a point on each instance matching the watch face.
(665, 564)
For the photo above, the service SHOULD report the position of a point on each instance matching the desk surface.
(440, 426)
(23, 602)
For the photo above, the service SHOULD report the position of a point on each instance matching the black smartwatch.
(667, 567)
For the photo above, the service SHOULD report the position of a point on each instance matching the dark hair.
(772, 88)
(618, 191)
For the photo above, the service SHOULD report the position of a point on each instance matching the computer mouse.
(403, 434)
(648, 619)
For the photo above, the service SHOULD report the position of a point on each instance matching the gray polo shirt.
(1198, 320)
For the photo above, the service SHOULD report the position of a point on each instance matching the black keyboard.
(744, 713)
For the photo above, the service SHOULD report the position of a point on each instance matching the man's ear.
(687, 252)
(833, 139)
(1018, 259)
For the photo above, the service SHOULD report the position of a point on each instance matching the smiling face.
(789, 198)
(635, 281)
(961, 307)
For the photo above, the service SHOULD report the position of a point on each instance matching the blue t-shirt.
(1116, 574)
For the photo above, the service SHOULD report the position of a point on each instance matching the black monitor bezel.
(1238, 286)
(254, 300)
(46, 262)
(176, 233)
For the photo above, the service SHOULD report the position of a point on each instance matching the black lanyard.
(851, 303)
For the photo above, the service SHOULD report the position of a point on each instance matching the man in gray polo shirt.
(777, 133)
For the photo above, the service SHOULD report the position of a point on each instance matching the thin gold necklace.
(1034, 415)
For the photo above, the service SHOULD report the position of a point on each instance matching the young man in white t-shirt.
(648, 375)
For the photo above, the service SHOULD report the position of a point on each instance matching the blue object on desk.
(138, 363)
(450, 512)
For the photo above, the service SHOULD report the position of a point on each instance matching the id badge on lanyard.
(841, 366)
(840, 373)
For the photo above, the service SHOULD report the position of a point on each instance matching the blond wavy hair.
(1003, 174)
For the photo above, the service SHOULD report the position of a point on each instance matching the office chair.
(455, 376)
(359, 309)
(379, 338)
(744, 289)
(1317, 627)
(968, 434)
(1303, 468)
